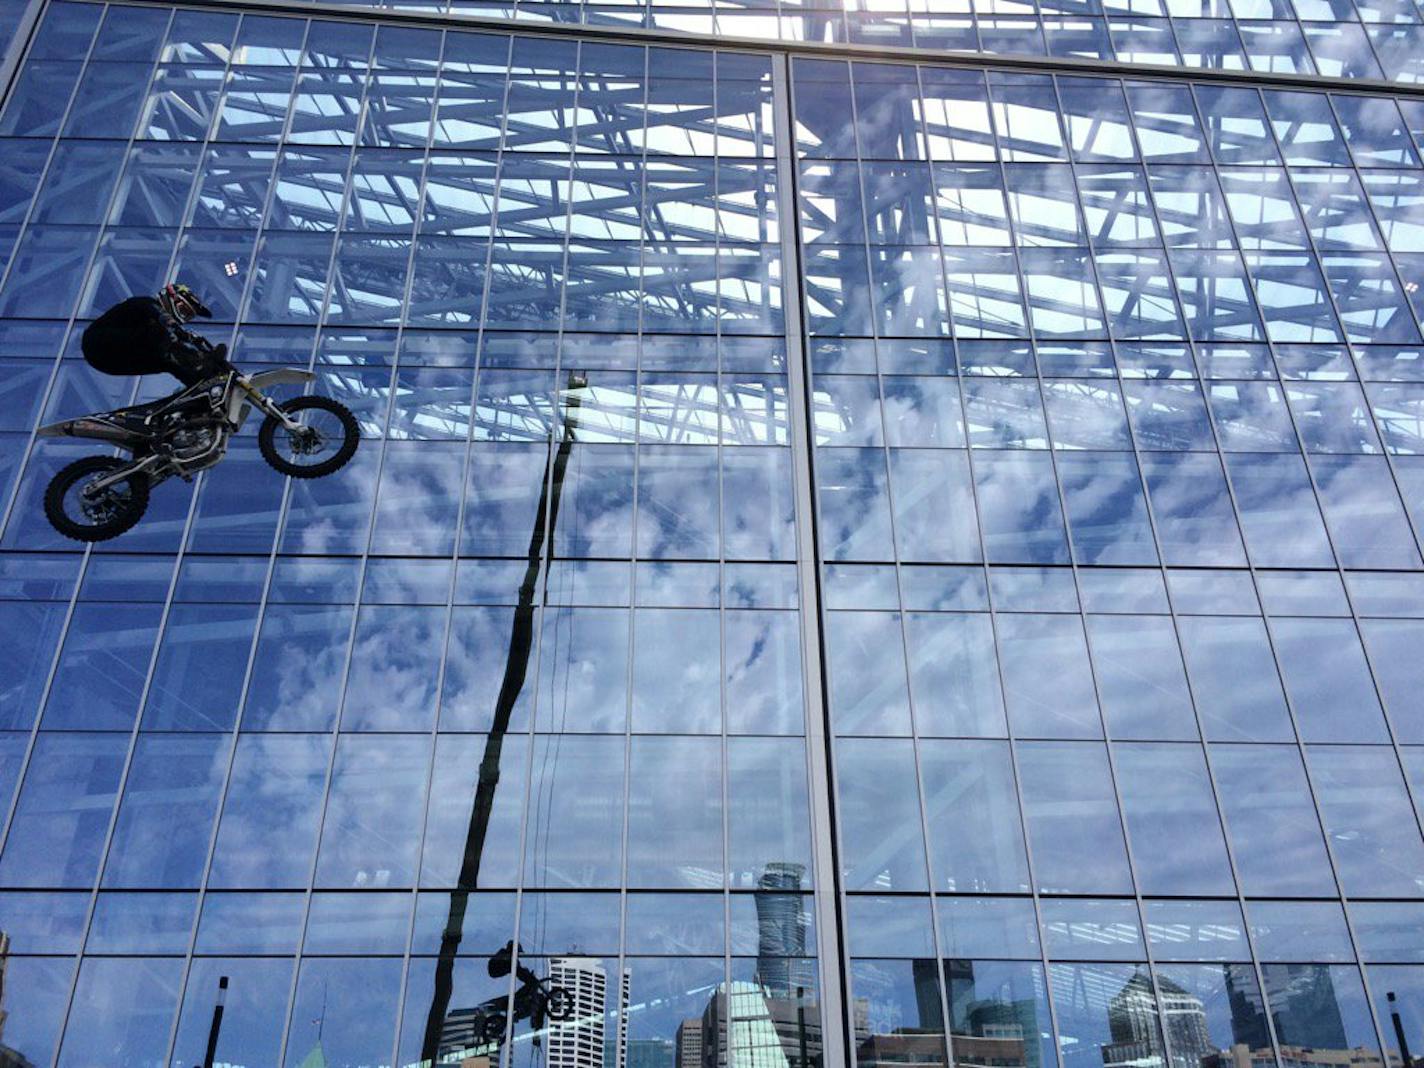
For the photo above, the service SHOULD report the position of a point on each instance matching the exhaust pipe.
(95, 429)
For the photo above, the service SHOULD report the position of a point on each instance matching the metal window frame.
(808, 49)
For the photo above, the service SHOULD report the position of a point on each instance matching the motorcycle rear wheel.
(491, 1027)
(113, 511)
(330, 439)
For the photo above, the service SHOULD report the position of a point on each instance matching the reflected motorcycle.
(536, 1000)
(99, 497)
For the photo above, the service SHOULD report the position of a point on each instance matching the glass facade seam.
(829, 907)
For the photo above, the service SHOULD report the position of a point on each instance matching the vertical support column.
(835, 1031)
(10, 54)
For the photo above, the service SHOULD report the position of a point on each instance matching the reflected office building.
(887, 534)
(580, 1041)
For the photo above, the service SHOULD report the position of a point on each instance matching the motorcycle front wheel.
(86, 516)
(325, 440)
(560, 1004)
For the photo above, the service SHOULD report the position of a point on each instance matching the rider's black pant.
(191, 363)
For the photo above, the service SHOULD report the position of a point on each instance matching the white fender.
(279, 376)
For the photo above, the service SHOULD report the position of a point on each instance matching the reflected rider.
(500, 962)
(148, 335)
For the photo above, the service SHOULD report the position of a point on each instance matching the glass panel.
(204, 650)
(57, 833)
(1396, 996)
(476, 1001)
(674, 827)
(1086, 927)
(998, 1004)
(1320, 697)
(448, 848)
(1048, 685)
(36, 995)
(933, 505)
(1099, 1005)
(30, 631)
(876, 785)
(370, 830)
(1073, 827)
(1319, 1005)
(973, 818)
(903, 1014)
(1212, 1008)
(1196, 930)
(577, 794)
(252, 1019)
(1167, 795)
(102, 667)
(1361, 506)
(1396, 672)
(122, 1011)
(1279, 515)
(762, 673)
(344, 1011)
(303, 652)
(1270, 817)
(1140, 677)
(267, 834)
(1366, 812)
(1190, 503)
(1020, 515)
(166, 816)
(953, 679)
(1106, 507)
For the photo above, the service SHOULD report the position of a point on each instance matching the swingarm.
(120, 474)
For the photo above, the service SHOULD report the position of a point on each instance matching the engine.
(191, 443)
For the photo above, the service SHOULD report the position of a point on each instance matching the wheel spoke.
(321, 438)
(100, 508)
(328, 428)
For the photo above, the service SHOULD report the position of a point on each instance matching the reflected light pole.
(216, 1025)
(1399, 1031)
(516, 669)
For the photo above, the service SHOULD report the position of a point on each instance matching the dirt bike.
(100, 497)
(536, 1000)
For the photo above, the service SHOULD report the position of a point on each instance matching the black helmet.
(182, 303)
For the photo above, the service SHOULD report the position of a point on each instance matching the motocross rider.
(148, 335)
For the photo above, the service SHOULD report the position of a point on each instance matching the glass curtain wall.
(526, 677)
(1111, 444)
(1115, 500)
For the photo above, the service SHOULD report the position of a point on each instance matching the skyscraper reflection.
(582, 1041)
(782, 966)
(745, 1027)
(987, 1028)
(1136, 1035)
(772, 1019)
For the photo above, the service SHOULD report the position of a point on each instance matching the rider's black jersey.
(137, 337)
(129, 338)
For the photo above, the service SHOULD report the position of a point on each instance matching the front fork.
(266, 405)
